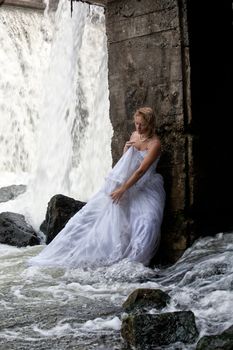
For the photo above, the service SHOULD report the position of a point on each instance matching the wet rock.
(223, 341)
(60, 209)
(14, 230)
(11, 192)
(144, 298)
(146, 330)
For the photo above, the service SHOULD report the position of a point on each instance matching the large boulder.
(143, 298)
(60, 209)
(14, 230)
(145, 331)
(223, 341)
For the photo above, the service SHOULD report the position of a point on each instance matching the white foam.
(58, 330)
(101, 323)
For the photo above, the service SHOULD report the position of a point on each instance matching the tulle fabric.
(102, 232)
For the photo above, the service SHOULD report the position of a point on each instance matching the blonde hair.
(148, 115)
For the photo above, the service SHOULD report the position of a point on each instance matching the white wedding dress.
(102, 232)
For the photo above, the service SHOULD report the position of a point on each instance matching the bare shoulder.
(154, 143)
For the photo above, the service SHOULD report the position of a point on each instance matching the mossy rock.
(143, 331)
(146, 298)
(223, 341)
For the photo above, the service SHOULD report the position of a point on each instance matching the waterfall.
(25, 38)
(55, 105)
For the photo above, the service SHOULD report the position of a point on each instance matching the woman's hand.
(117, 194)
(128, 144)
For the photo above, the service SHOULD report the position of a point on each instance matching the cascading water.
(58, 136)
(25, 38)
(55, 133)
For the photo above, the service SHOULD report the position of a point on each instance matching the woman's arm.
(129, 143)
(152, 155)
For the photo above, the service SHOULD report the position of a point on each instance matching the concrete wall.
(149, 65)
(33, 4)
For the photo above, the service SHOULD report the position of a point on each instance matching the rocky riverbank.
(147, 322)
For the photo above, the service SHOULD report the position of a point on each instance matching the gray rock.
(223, 341)
(14, 230)
(11, 192)
(60, 209)
(145, 330)
(144, 298)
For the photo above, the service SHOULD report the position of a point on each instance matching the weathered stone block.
(146, 58)
(145, 330)
(143, 25)
(33, 4)
(121, 9)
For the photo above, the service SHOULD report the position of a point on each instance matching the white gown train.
(102, 232)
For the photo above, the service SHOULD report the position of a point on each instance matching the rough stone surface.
(15, 231)
(145, 330)
(60, 209)
(223, 341)
(10, 192)
(149, 65)
(94, 2)
(33, 4)
(143, 298)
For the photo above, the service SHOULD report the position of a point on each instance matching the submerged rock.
(14, 230)
(223, 341)
(11, 192)
(144, 298)
(144, 331)
(60, 209)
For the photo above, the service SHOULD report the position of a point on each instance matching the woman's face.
(140, 124)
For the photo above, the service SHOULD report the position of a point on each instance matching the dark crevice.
(209, 26)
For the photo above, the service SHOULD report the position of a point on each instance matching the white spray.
(72, 152)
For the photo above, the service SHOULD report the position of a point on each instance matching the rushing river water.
(81, 309)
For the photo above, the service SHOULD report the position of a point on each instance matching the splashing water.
(52, 307)
(25, 39)
(59, 132)
(55, 137)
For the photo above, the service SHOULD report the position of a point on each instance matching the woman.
(123, 219)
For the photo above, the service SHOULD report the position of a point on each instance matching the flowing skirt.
(102, 232)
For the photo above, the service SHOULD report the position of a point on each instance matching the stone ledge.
(120, 9)
(32, 4)
(143, 25)
(94, 2)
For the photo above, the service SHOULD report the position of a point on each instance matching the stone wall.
(33, 4)
(149, 65)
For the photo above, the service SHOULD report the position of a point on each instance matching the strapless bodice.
(126, 166)
(143, 153)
